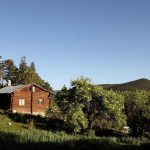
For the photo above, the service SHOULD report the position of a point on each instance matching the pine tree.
(32, 66)
(33, 77)
(31, 74)
(10, 71)
(23, 71)
(46, 85)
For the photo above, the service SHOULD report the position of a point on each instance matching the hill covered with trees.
(140, 84)
(24, 74)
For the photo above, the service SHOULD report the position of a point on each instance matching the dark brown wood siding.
(28, 96)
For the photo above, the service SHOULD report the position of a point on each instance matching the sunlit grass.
(18, 135)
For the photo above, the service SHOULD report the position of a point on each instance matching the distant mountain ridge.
(140, 84)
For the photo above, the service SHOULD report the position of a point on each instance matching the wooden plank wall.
(25, 93)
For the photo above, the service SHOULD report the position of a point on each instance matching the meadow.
(17, 135)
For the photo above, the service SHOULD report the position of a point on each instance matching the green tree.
(45, 84)
(108, 105)
(10, 71)
(137, 106)
(80, 90)
(32, 66)
(31, 75)
(23, 71)
(114, 108)
(76, 118)
(96, 111)
(72, 102)
(23, 75)
(27, 75)
(98, 105)
(62, 99)
(54, 111)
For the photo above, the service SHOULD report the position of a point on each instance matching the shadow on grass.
(55, 124)
(38, 121)
(108, 132)
(9, 141)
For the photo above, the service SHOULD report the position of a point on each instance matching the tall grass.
(57, 140)
(19, 136)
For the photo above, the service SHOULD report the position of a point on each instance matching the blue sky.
(105, 40)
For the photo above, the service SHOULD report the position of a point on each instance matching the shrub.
(53, 111)
(76, 119)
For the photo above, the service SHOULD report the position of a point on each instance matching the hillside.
(105, 86)
(140, 84)
(15, 135)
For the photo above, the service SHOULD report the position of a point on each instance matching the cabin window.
(21, 102)
(41, 101)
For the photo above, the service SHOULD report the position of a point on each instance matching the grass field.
(22, 136)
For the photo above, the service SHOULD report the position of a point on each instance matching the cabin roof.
(10, 89)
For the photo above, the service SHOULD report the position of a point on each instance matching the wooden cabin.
(29, 99)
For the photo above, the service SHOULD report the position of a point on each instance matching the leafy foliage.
(62, 100)
(98, 108)
(53, 111)
(76, 118)
(114, 103)
(137, 106)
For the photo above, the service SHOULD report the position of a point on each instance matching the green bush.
(76, 119)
